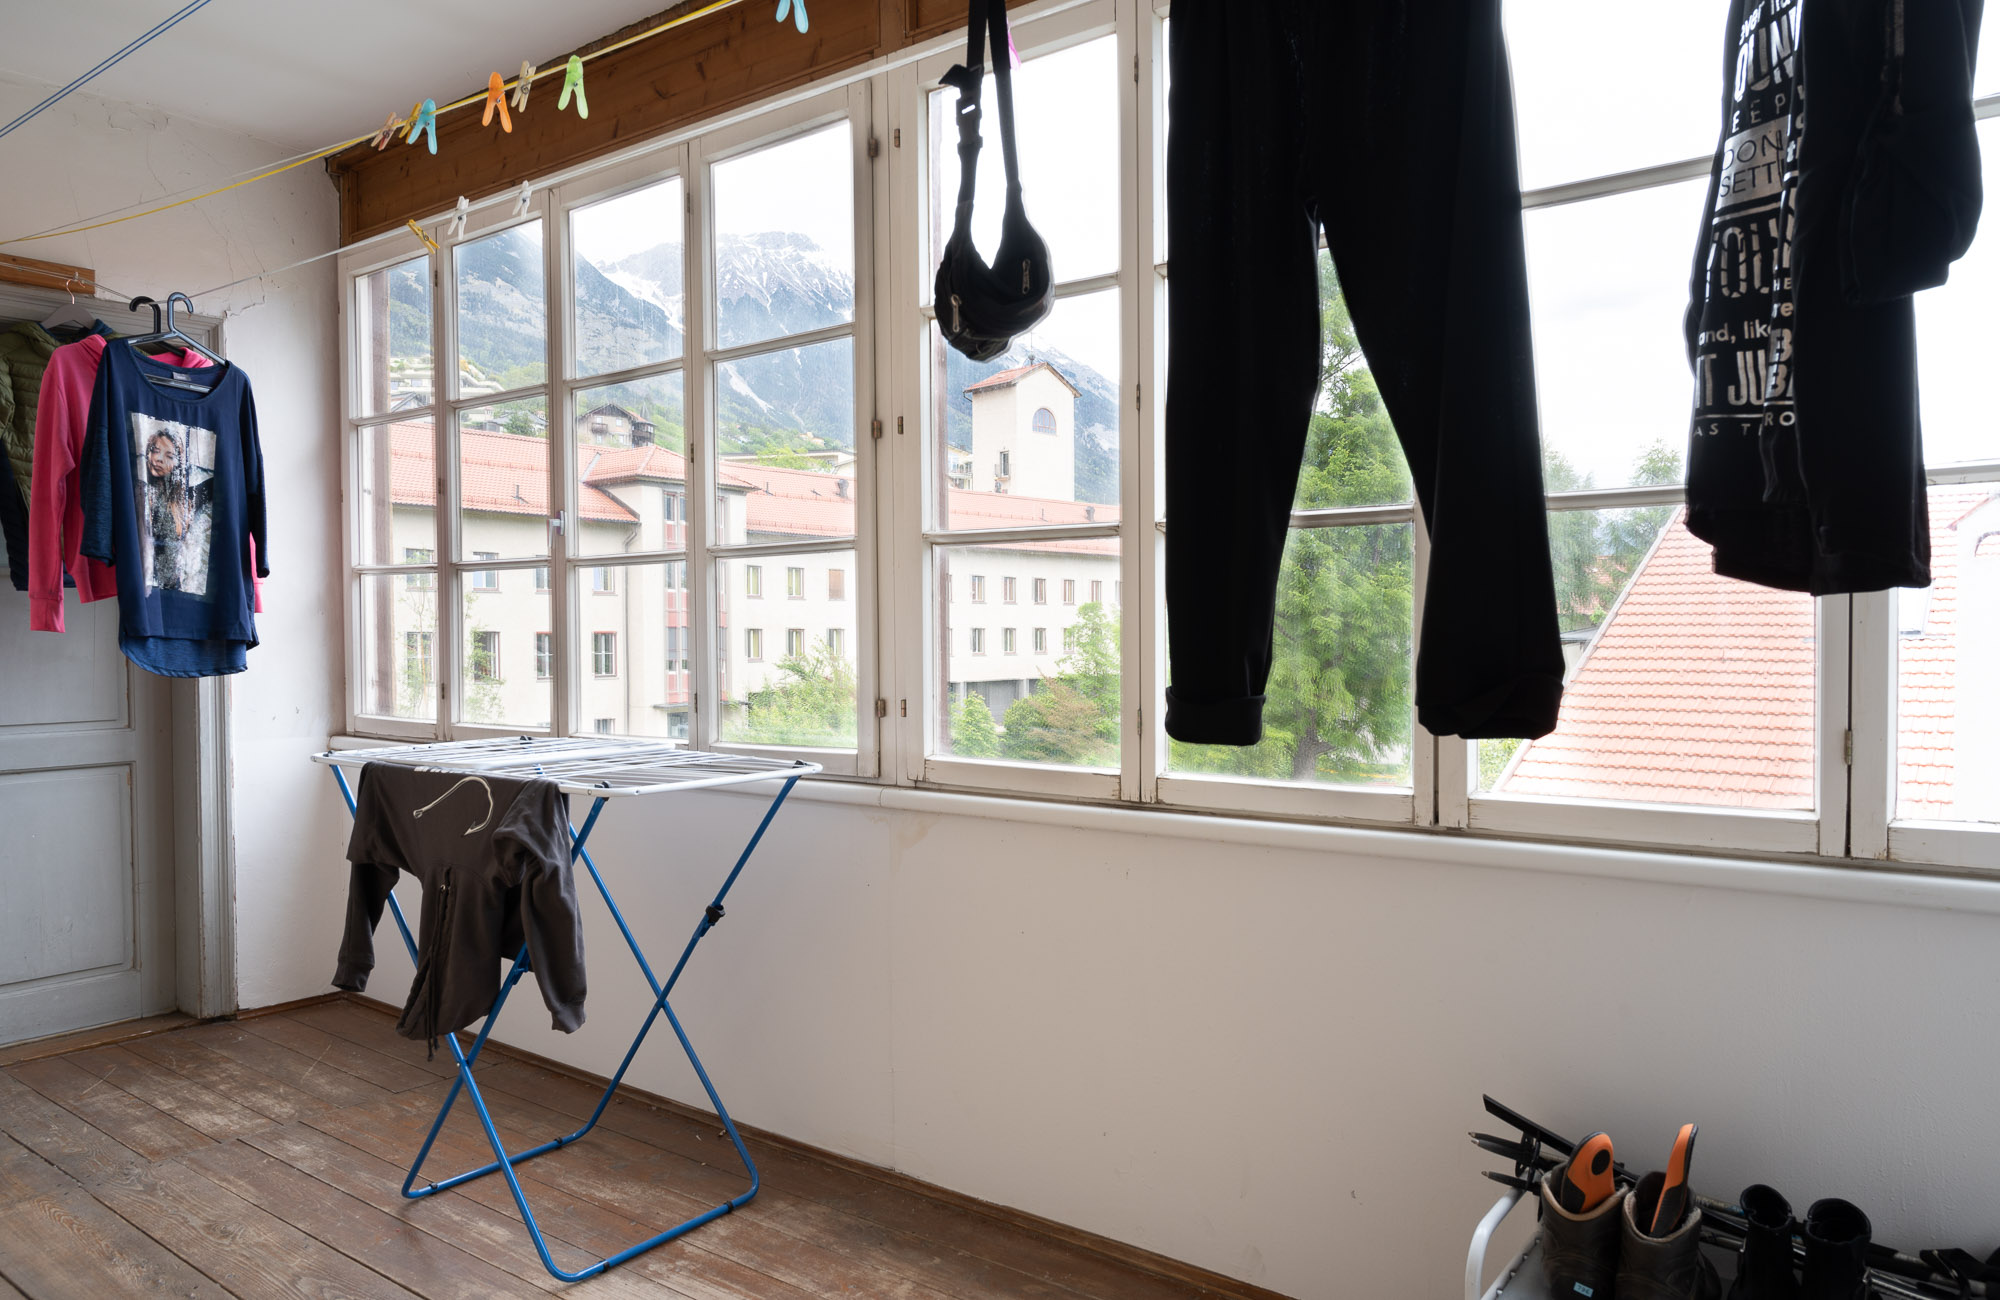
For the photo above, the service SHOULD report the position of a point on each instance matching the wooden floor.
(262, 1157)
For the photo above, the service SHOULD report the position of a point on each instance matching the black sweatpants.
(1391, 123)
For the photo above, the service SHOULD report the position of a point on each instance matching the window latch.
(559, 522)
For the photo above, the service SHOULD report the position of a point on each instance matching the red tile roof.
(1926, 701)
(969, 509)
(499, 473)
(1008, 378)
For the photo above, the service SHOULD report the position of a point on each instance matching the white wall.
(88, 155)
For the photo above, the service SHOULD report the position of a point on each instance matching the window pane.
(629, 468)
(629, 268)
(784, 238)
(1683, 687)
(639, 632)
(1054, 700)
(398, 646)
(498, 685)
(1956, 341)
(392, 345)
(502, 322)
(1608, 284)
(998, 464)
(786, 679)
(1948, 639)
(503, 490)
(785, 445)
(1066, 118)
(397, 476)
(1338, 706)
(1632, 86)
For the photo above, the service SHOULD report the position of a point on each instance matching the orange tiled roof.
(970, 509)
(1008, 378)
(499, 473)
(1926, 701)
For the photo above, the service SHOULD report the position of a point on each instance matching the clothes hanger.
(480, 781)
(72, 314)
(172, 335)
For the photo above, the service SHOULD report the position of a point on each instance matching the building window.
(605, 726)
(753, 644)
(1045, 421)
(673, 506)
(979, 640)
(1041, 640)
(1007, 592)
(1006, 640)
(836, 584)
(677, 649)
(419, 555)
(485, 657)
(753, 580)
(677, 725)
(795, 583)
(604, 580)
(1069, 591)
(545, 656)
(604, 653)
(978, 589)
(417, 656)
(836, 641)
(542, 577)
(1041, 591)
(1096, 591)
(484, 579)
(795, 642)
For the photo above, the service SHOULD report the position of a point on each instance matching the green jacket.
(25, 349)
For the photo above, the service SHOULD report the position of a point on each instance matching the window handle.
(559, 522)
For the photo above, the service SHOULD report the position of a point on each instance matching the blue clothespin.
(425, 119)
(796, 8)
(573, 83)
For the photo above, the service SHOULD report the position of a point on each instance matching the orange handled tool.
(1586, 1179)
(1674, 1193)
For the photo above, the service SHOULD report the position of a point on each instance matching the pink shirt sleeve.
(49, 489)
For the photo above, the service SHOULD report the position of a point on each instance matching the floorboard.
(265, 1158)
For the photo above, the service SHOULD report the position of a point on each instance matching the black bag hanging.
(981, 308)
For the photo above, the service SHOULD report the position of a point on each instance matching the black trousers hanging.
(1391, 123)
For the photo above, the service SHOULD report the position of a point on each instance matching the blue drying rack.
(599, 768)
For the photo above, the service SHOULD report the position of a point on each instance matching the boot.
(1579, 1251)
(1836, 1253)
(1764, 1269)
(1662, 1268)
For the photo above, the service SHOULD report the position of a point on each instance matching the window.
(753, 644)
(795, 642)
(795, 583)
(1045, 421)
(484, 579)
(485, 657)
(417, 657)
(1096, 591)
(1006, 640)
(545, 655)
(978, 589)
(604, 726)
(753, 580)
(1041, 640)
(672, 506)
(1007, 591)
(1041, 591)
(677, 649)
(542, 577)
(419, 555)
(604, 580)
(1069, 591)
(604, 653)
(836, 641)
(836, 584)
(979, 640)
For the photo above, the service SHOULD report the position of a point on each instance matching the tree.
(1073, 717)
(973, 734)
(812, 703)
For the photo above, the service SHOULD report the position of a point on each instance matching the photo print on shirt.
(174, 470)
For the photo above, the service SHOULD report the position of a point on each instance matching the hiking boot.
(1764, 1269)
(1669, 1267)
(1579, 1251)
(1836, 1253)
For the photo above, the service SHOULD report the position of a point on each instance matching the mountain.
(767, 285)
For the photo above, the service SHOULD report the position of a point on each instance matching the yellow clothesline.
(477, 98)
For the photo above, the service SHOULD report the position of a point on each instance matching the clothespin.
(458, 216)
(418, 231)
(521, 199)
(387, 133)
(424, 117)
(573, 84)
(797, 8)
(496, 98)
(523, 86)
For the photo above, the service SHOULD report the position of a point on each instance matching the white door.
(86, 831)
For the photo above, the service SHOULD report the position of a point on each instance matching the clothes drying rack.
(599, 768)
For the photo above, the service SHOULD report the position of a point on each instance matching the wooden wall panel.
(723, 61)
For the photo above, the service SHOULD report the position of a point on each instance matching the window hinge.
(1847, 747)
(875, 429)
(881, 708)
(899, 426)
(896, 137)
(444, 690)
(902, 708)
(1135, 69)
(1138, 396)
(874, 147)
(1141, 715)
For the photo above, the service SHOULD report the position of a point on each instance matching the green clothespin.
(573, 82)
(797, 8)
(424, 120)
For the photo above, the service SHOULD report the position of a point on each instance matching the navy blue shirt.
(173, 493)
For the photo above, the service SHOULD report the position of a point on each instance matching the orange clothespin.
(496, 99)
(387, 133)
(522, 85)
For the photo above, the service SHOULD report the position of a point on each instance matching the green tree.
(812, 703)
(973, 734)
(1072, 718)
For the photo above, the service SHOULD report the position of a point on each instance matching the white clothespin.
(459, 215)
(523, 198)
(524, 85)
